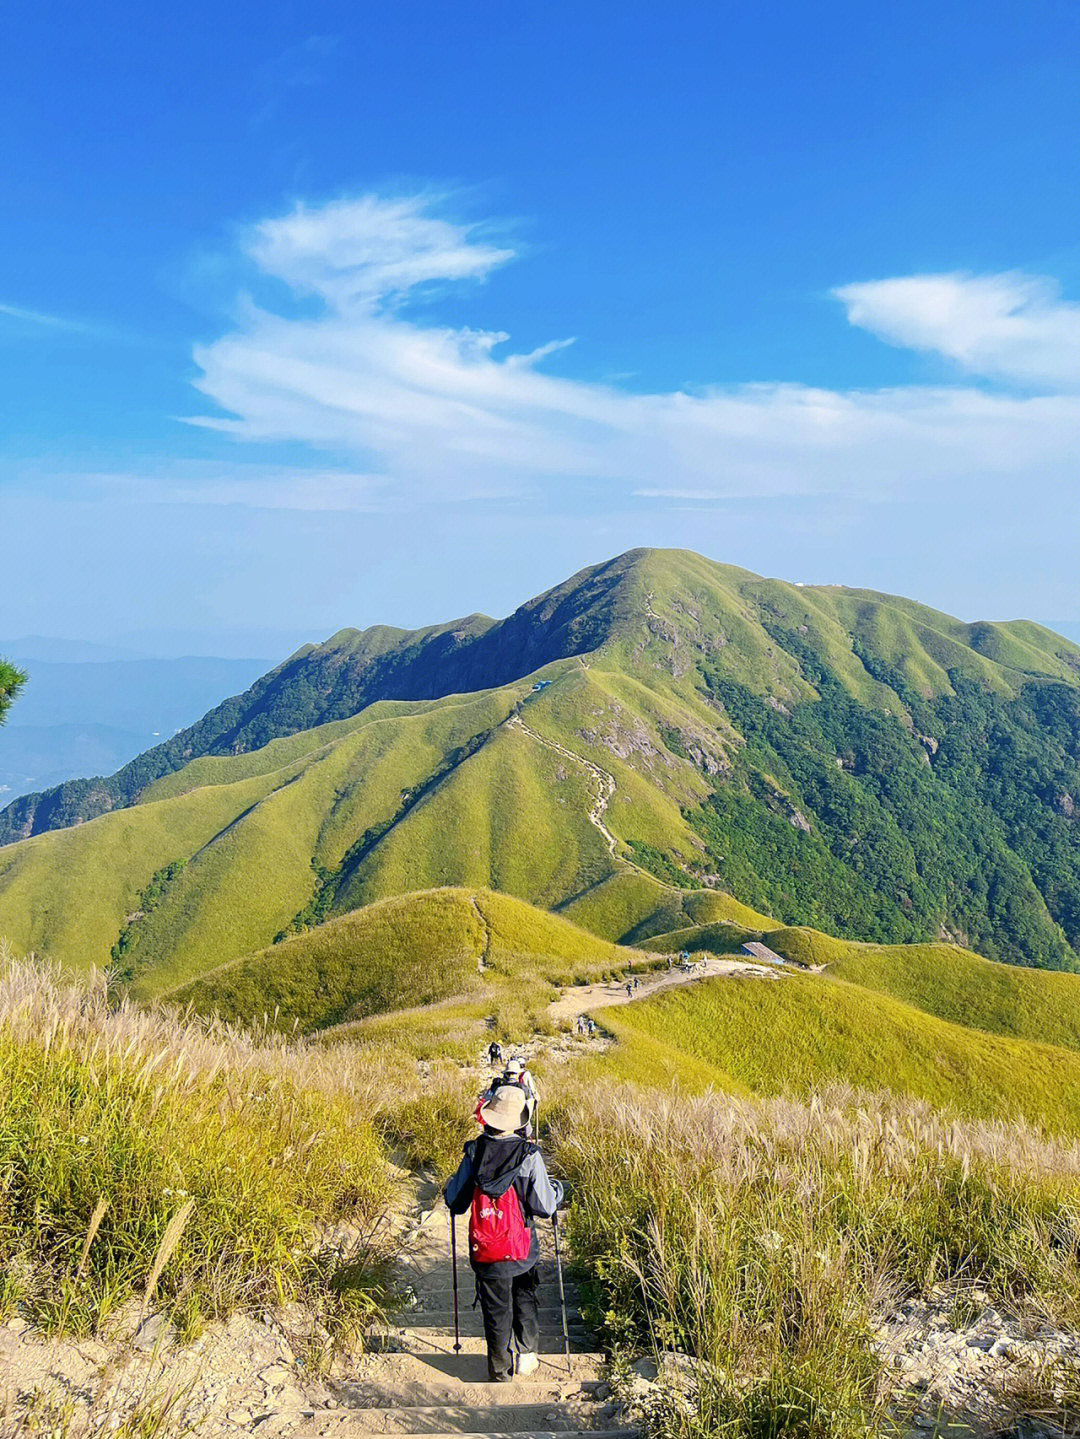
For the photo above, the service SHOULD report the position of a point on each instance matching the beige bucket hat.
(506, 1110)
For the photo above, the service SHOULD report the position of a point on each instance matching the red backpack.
(497, 1228)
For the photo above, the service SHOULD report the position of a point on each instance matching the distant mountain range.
(656, 728)
(83, 711)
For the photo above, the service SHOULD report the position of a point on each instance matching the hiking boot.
(528, 1363)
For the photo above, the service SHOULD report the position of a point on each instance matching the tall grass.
(763, 1238)
(145, 1160)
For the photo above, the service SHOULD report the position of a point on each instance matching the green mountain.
(630, 749)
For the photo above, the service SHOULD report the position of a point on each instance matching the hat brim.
(506, 1111)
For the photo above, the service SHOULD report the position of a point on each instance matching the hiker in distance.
(495, 1054)
(516, 1073)
(503, 1184)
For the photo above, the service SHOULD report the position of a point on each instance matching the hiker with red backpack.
(503, 1185)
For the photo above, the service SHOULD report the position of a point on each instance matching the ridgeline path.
(605, 781)
(584, 998)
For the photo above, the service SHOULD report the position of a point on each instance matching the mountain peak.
(665, 616)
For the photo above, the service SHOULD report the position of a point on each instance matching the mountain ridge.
(855, 762)
(319, 683)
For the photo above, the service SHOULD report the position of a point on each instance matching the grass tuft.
(762, 1238)
(143, 1157)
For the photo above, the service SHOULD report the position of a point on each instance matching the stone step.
(329, 1424)
(548, 1313)
(439, 1258)
(444, 1304)
(443, 1294)
(441, 1286)
(435, 1377)
(440, 1282)
(438, 1331)
(470, 1323)
(507, 1418)
(441, 1337)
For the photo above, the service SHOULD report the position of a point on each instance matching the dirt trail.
(583, 999)
(604, 780)
(248, 1375)
(605, 790)
(418, 1385)
(482, 959)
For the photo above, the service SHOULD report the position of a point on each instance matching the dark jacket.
(492, 1165)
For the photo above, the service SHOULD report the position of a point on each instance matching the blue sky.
(334, 314)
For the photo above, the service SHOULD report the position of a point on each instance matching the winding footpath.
(585, 998)
(605, 781)
(415, 1384)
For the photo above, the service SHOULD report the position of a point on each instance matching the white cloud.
(1012, 327)
(361, 252)
(442, 411)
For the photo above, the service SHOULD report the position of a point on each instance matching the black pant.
(509, 1305)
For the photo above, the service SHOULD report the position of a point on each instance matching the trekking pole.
(562, 1291)
(453, 1266)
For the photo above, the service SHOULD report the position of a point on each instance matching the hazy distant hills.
(656, 729)
(90, 713)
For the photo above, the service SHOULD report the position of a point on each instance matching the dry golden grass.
(142, 1154)
(763, 1236)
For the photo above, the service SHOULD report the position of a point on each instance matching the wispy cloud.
(39, 318)
(364, 252)
(437, 410)
(21, 322)
(298, 67)
(1010, 327)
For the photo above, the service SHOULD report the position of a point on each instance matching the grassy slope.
(247, 886)
(711, 938)
(104, 1100)
(65, 894)
(800, 1032)
(653, 1062)
(258, 829)
(956, 985)
(630, 907)
(408, 951)
(512, 816)
(255, 830)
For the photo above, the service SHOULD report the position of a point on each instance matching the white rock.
(153, 1332)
